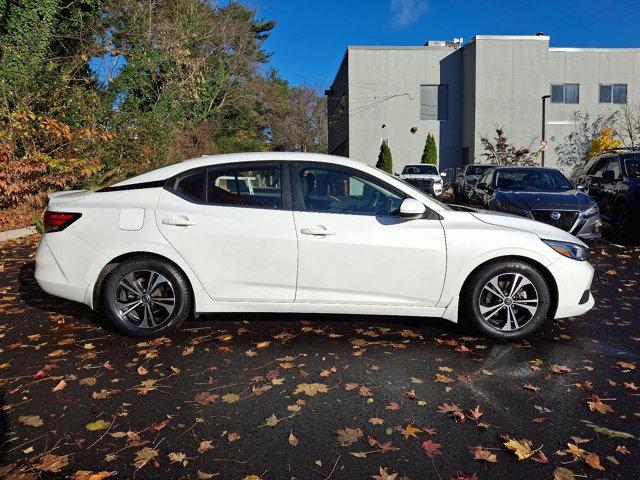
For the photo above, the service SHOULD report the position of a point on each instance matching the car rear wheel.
(145, 297)
(507, 300)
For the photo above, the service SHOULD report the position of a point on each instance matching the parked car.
(425, 177)
(613, 181)
(542, 194)
(466, 181)
(312, 233)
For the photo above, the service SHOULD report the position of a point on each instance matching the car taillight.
(56, 221)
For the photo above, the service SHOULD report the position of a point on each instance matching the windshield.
(532, 180)
(477, 170)
(444, 206)
(420, 170)
(632, 165)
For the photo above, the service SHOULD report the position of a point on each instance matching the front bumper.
(589, 228)
(573, 279)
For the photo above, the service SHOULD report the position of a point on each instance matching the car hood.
(569, 200)
(542, 230)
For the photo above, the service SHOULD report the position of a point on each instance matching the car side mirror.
(581, 187)
(482, 186)
(411, 208)
(609, 175)
(443, 174)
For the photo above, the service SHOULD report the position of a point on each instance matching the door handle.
(317, 231)
(178, 222)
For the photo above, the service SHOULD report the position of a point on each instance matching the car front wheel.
(507, 300)
(145, 297)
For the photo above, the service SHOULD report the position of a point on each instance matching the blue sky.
(311, 36)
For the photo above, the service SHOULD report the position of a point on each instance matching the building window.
(616, 93)
(565, 93)
(434, 102)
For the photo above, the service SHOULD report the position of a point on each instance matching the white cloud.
(406, 12)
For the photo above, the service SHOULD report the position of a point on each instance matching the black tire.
(527, 322)
(626, 225)
(118, 287)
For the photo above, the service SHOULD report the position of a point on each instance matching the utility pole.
(543, 142)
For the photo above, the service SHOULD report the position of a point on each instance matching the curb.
(15, 234)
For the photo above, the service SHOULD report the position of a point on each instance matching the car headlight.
(591, 210)
(569, 250)
(508, 208)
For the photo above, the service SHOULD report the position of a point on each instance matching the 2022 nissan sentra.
(542, 194)
(295, 232)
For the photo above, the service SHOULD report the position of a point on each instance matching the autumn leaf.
(293, 441)
(30, 420)
(102, 394)
(559, 368)
(411, 431)
(480, 453)
(596, 405)
(522, 448)
(475, 414)
(272, 421)
(528, 386)
(443, 378)
(431, 448)
(90, 475)
(98, 425)
(385, 475)
(52, 463)
(311, 389)
(60, 386)
(392, 406)
(206, 398)
(627, 365)
(589, 458)
(144, 456)
(348, 436)
(230, 398)
(376, 421)
(562, 473)
(178, 457)
(205, 445)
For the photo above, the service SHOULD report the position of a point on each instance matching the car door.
(596, 182)
(610, 178)
(353, 246)
(234, 226)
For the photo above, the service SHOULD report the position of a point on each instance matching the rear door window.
(259, 186)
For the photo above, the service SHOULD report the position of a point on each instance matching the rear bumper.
(70, 282)
(573, 279)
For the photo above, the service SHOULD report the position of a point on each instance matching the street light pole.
(544, 124)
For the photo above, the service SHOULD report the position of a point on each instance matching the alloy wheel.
(145, 299)
(508, 301)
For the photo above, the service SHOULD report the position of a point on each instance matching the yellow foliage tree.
(602, 142)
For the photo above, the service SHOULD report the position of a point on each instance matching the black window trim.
(298, 203)
(286, 204)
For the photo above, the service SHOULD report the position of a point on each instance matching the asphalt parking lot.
(318, 396)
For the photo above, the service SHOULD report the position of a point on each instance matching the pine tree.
(385, 162)
(430, 152)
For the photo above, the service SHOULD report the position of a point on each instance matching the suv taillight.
(56, 221)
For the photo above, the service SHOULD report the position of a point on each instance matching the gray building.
(460, 92)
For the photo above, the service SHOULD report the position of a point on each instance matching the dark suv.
(612, 179)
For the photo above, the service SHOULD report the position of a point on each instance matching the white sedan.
(297, 232)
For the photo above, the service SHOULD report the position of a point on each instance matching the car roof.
(169, 171)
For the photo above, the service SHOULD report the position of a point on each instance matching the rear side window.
(245, 187)
(190, 186)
